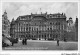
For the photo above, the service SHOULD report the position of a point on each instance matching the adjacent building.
(76, 27)
(5, 25)
(72, 30)
(39, 26)
(70, 25)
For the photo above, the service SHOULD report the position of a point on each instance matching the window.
(47, 28)
(53, 23)
(56, 23)
(37, 29)
(58, 15)
(50, 23)
(5, 22)
(35, 23)
(27, 24)
(4, 27)
(29, 28)
(50, 28)
(26, 28)
(59, 23)
(32, 28)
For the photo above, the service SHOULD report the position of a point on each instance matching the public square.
(52, 21)
(44, 45)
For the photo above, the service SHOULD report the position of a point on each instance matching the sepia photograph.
(40, 26)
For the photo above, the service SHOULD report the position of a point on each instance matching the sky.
(16, 9)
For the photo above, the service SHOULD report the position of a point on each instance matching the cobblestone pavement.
(44, 45)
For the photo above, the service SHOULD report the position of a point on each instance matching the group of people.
(24, 41)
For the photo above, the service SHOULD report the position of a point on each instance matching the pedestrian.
(57, 42)
(23, 41)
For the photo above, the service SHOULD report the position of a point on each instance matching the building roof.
(41, 17)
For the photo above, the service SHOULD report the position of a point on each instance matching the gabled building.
(72, 30)
(5, 25)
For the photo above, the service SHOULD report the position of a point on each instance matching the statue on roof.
(5, 12)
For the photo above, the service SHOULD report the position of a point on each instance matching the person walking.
(58, 42)
(23, 41)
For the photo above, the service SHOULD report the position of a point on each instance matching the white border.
(36, 51)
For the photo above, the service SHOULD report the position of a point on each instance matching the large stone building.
(5, 25)
(39, 26)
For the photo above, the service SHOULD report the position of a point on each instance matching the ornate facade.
(70, 25)
(72, 30)
(39, 26)
(5, 25)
